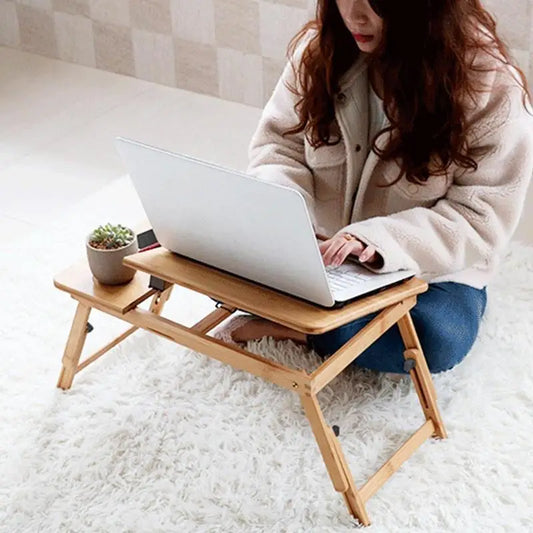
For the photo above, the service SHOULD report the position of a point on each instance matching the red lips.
(360, 38)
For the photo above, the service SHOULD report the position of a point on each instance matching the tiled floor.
(58, 122)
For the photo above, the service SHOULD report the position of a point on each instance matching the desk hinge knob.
(409, 364)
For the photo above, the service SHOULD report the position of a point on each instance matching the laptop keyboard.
(343, 276)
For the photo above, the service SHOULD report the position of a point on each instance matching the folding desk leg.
(74, 347)
(336, 465)
(159, 300)
(420, 374)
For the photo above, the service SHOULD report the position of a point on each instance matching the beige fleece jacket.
(454, 228)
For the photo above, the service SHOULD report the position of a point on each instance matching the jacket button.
(357, 147)
(341, 98)
(412, 188)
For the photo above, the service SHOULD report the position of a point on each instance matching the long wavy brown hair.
(425, 62)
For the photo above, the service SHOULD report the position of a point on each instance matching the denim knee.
(445, 342)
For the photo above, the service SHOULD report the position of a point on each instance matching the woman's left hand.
(336, 250)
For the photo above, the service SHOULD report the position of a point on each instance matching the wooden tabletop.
(269, 303)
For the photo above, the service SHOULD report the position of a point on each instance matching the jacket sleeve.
(279, 159)
(476, 218)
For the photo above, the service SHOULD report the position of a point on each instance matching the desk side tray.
(78, 280)
(262, 301)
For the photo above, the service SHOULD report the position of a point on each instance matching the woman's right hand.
(335, 250)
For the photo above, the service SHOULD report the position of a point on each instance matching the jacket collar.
(349, 77)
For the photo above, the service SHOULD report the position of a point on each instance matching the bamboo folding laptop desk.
(232, 293)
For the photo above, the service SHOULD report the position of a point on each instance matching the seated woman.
(407, 129)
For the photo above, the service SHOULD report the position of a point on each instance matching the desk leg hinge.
(157, 283)
(409, 364)
(218, 305)
(336, 430)
(89, 327)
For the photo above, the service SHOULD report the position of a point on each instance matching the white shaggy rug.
(156, 438)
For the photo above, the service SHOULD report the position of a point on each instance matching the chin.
(367, 47)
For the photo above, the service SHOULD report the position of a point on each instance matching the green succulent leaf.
(112, 236)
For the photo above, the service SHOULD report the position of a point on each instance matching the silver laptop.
(249, 227)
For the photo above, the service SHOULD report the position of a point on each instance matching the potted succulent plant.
(106, 247)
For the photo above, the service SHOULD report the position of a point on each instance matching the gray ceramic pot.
(106, 265)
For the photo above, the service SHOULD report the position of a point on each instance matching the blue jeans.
(446, 318)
